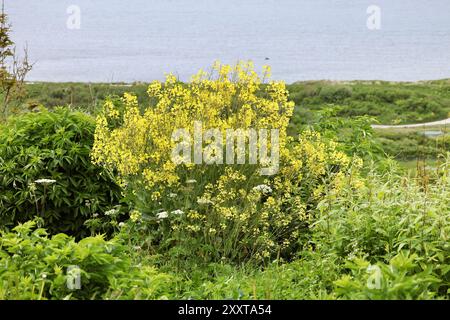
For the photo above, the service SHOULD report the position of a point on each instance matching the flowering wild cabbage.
(231, 208)
(227, 98)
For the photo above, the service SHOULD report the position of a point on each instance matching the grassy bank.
(388, 102)
(385, 102)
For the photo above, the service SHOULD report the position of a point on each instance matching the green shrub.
(54, 146)
(335, 94)
(389, 219)
(401, 279)
(34, 266)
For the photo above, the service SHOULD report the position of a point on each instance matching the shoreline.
(326, 81)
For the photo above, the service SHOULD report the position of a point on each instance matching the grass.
(85, 96)
(412, 143)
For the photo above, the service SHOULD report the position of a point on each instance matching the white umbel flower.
(177, 212)
(45, 181)
(263, 188)
(111, 212)
(162, 215)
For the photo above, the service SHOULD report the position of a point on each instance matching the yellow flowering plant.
(226, 211)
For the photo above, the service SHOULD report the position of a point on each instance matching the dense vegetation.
(45, 170)
(339, 220)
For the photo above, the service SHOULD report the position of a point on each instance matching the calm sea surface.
(139, 40)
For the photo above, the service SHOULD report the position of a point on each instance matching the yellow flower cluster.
(137, 142)
(318, 162)
(135, 216)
